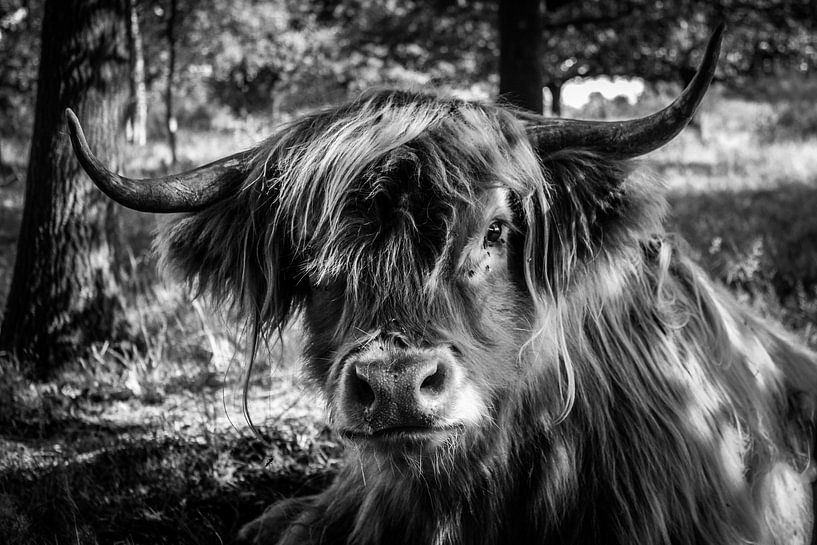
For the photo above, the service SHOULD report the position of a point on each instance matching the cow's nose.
(400, 393)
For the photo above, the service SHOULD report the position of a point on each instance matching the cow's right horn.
(185, 192)
(629, 138)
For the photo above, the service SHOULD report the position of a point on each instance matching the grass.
(145, 442)
(743, 200)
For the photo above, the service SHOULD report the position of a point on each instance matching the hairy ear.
(235, 252)
(591, 208)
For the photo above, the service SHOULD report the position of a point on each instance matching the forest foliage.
(271, 57)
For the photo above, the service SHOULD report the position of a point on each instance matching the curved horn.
(185, 192)
(628, 138)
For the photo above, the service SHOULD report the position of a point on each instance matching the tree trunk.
(63, 293)
(520, 46)
(170, 119)
(555, 89)
(138, 110)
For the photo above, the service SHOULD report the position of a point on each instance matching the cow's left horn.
(185, 192)
(628, 138)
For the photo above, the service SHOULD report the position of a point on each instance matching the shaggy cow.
(513, 348)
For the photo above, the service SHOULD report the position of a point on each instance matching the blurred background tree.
(268, 58)
(658, 41)
(137, 105)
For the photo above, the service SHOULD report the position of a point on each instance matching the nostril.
(361, 389)
(434, 384)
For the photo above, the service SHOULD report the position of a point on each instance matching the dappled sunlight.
(732, 448)
(120, 447)
(147, 436)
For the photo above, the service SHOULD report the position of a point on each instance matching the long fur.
(650, 407)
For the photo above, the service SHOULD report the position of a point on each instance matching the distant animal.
(511, 345)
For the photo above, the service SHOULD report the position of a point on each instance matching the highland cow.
(511, 345)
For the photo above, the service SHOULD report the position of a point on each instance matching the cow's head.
(427, 242)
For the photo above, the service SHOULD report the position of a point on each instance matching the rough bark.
(138, 109)
(170, 120)
(63, 293)
(520, 58)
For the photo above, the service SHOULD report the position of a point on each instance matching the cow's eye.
(493, 233)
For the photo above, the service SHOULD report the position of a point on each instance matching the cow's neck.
(483, 495)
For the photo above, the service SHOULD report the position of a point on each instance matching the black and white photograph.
(384, 272)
